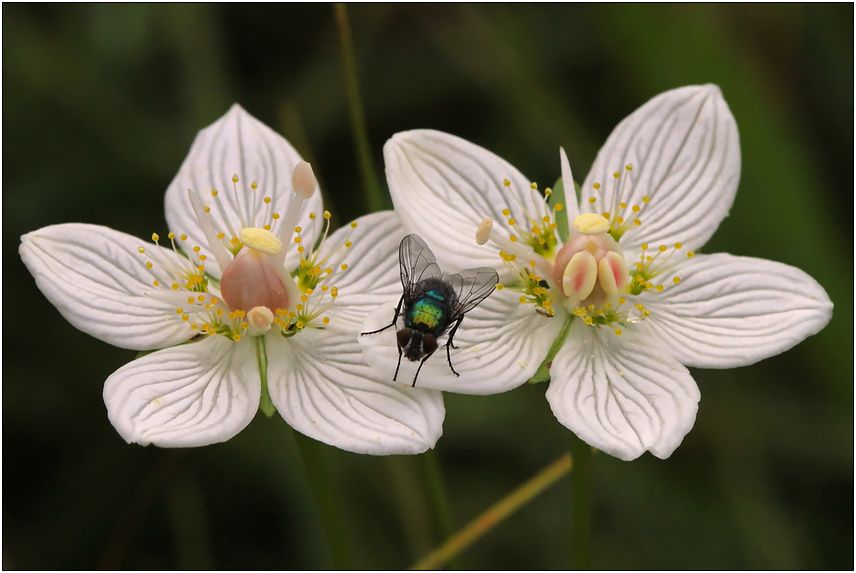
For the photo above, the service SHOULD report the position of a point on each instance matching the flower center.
(256, 277)
(591, 266)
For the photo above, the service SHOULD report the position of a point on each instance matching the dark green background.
(100, 104)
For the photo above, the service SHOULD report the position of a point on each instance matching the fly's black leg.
(397, 366)
(391, 324)
(451, 344)
(418, 369)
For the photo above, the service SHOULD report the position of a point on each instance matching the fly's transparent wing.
(472, 286)
(417, 263)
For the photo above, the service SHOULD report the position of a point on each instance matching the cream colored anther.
(483, 231)
(303, 180)
(259, 319)
(261, 240)
(591, 224)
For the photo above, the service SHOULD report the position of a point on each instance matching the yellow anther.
(155, 237)
(235, 178)
(676, 280)
(512, 221)
(275, 216)
(662, 248)
(348, 244)
(266, 227)
(183, 237)
(512, 238)
(214, 193)
(592, 200)
(141, 249)
(174, 286)
(327, 215)
(591, 224)
(596, 186)
(334, 292)
(344, 266)
(690, 254)
(644, 246)
(522, 299)
(646, 199)
(616, 175)
(623, 205)
(298, 240)
(533, 186)
(506, 182)
(558, 207)
(506, 212)
(637, 222)
(299, 324)
(254, 185)
(678, 245)
(312, 215)
(191, 300)
(622, 300)
(149, 264)
(207, 209)
(197, 248)
(500, 286)
(617, 332)
(660, 288)
(155, 282)
(326, 320)
(261, 240)
(628, 167)
(267, 200)
(184, 317)
(171, 235)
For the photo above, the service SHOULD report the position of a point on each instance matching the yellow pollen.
(298, 229)
(676, 280)
(214, 193)
(678, 245)
(266, 227)
(690, 254)
(149, 264)
(326, 320)
(267, 200)
(334, 292)
(179, 311)
(312, 215)
(628, 167)
(506, 212)
(235, 178)
(646, 199)
(644, 246)
(327, 215)
(344, 267)
(592, 199)
(349, 244)
(141, 249)
(183, 237)
(155, 282)
(261, 240)
(207, 209)
(197, 248)
(254, 185)
(190, 300)
(506, 183)
(275, 216)
(596, 186)
(171, 236)
(616, 175)
(662, 248)
(533, 186)
(155, 237)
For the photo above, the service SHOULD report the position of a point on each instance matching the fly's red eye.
(429, 343)
(404, 337)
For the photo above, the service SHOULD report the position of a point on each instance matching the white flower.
(639, 303)
(251, 280)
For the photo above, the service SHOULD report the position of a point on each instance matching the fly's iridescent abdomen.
(428, 311)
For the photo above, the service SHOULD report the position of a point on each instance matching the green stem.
(327, 499)
(543, 373)
(581, 505)
(439, 500)
(496, 514)
(375, 200)
(265, 405)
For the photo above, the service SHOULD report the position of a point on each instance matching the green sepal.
(543, 373)
(265, 404)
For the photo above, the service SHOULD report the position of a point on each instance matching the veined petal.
(572, 208)
(239, 145)
(189, 395)
(372, 274)
(98, 280)
(732, 311)
(501, 344)
(684, 151)
(621, 394)
(444, 186)
(321, 386)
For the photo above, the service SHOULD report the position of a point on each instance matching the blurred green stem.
(375, 200)
(581, 505)
(439, 500)
(327, 499)
(496, 514)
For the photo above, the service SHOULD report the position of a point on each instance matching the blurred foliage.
(100, 104)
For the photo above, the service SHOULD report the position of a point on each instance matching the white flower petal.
(444, 186)
(97, 280)
(189, 395)
(732, 311)
(501, 344)
(321, 386)
(685, 152)
(372, 274)
(621, 394)
(237, 144)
